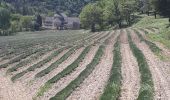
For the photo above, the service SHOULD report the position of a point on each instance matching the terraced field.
(80, 65)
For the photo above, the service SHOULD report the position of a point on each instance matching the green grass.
(57, 63)
(63, 94)
(39, 64)
(65, 72)
(146, 91)
(146, 32)
(154, 48)
(113, 87)
(151, 29)
(161, 23)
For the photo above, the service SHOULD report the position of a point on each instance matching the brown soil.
(159, 70)
(37, 83)
(92, 87)
(66, 80)
(30, 75)
(12, 91)
(130, 72)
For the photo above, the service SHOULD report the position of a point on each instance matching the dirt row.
(10, 89)
(159, 70)
(92, 87)
(66, 80)
(130, 71)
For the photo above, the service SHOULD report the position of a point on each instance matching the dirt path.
(12, 91)
(130, 72)
(62, 83)
(159, 70)
(37, 83)
(92, 87)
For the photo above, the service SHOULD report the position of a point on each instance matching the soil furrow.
(130, 72)
(159, 71)
(62, 83)
(33, 62)
(94, 84)
(37, 83)
(30, 75)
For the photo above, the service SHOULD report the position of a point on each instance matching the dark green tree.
(4, 20)
(91, 16)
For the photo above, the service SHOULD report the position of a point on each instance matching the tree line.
(12, 23)
(31, 7)
(25, 15)
(105, 14)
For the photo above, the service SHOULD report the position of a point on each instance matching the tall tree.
(39, 20)
(91, 16)
(4, 19)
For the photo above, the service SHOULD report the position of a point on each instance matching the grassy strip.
(26, 62)
(63, 94)
(146, 32)
(65, 72)
(151, 45)
(18, 59)
(55, 64)
(151, 29)
(39, 64)
(113, 87)
(147, 87)
(103, 37)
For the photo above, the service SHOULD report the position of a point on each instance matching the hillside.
(161, 23)
(31, 7)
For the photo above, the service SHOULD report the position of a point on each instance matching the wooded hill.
(31, 7)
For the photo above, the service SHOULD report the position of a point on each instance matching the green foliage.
(27, 22)
(161, 24)
(147, 87)
(112, 89)
(4, 21)
(63, 94)
(111, 13)
(38, 22)
(91, 15)
(32, 7)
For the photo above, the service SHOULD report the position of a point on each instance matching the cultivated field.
(80, 65)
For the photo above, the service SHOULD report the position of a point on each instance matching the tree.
(4, 20)
(39, 20)
(38, 23)
(26, 22)
(91, 16)
(128, 8)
